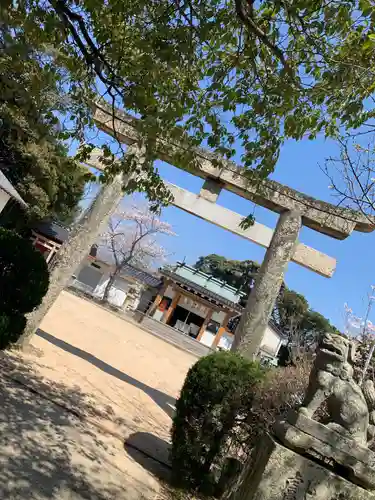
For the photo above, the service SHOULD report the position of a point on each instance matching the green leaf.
(247, 222)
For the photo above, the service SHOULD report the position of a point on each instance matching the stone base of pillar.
(278, 473)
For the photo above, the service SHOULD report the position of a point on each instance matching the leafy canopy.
(255, 73)
(32, 155)
(238, 273)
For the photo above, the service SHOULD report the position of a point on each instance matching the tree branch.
(246, 15)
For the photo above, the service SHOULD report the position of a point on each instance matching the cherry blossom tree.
(132, 238)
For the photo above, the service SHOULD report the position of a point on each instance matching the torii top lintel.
(318, 215)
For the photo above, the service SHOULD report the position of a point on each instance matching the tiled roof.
(273, 325)
(6, 186)
(206, 281)
(141, 276)
(52, 230)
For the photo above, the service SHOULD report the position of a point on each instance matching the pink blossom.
(132, 236)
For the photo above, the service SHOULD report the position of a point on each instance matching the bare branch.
(352, 176)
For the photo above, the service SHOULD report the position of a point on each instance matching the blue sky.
(297, 167)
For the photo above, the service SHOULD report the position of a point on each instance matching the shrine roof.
(204, 284)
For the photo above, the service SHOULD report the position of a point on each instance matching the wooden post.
(168, 313)
(205, 323)
(158, 298)
(222, 329)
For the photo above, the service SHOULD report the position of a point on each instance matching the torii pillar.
(267, 285)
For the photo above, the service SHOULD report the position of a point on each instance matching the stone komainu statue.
(351, 409)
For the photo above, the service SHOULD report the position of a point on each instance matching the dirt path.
(104, 369)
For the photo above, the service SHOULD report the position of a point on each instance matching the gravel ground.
(108, 390)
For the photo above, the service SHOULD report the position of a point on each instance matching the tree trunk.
(112, 277)
(74, 250)
(109, 285)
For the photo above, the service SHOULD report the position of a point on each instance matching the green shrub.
(217, 393)
(11, 328)
(24, 274)
(24, 281)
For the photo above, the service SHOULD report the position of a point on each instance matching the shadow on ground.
(151, 452)
(164, 401)
(46, 452)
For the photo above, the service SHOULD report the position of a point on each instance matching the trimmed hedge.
(24, 276)
(11, 328)
(24, 280)
(217, 393)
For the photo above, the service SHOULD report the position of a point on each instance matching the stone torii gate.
(294, 208)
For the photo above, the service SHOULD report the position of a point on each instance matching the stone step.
(174, 337)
